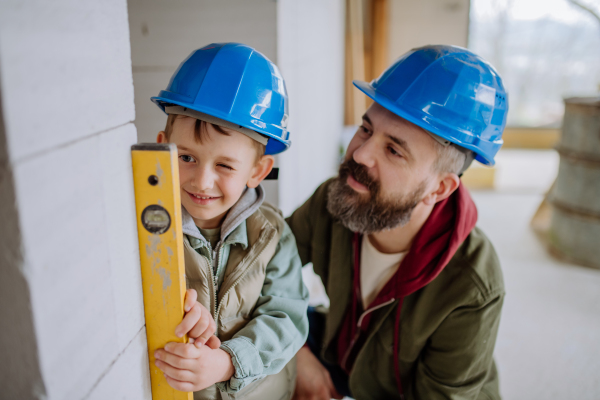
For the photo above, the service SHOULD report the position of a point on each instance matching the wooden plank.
(530, 138)
(479, 177)
(379, 37)
(158, 211)
(355, 61)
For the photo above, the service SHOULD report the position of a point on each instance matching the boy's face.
(213, 174)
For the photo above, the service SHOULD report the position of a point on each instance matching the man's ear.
(446, 186)
(161, 137)
(261, 170)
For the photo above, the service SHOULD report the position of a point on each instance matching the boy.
(227, 108)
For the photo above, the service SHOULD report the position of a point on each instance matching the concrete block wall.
(67, 112)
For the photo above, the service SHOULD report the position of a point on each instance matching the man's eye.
(186, 159)
(365, 129)
(225, 166)
(394, 152)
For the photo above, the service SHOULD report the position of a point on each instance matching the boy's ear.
(161, 137)
(261, 170)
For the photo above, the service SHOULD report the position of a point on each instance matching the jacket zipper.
(214, 278)
(358, 332)
(244, 274)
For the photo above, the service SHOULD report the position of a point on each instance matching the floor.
(549, 340)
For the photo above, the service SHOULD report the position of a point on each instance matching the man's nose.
(204, 178)
(365, 153)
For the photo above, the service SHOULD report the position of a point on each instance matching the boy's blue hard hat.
(235, 83)
(448, 91)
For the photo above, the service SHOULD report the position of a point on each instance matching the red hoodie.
(448, 225)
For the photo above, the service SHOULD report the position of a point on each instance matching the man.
(415, 288)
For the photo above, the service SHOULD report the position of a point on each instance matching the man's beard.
(374, 213)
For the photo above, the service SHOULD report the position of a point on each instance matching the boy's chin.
(204, 215)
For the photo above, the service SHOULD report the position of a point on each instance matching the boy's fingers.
(190, 298)
(208, 332)
(189, 320)
(180, 385)
(175, 373)
(213, 342)
(185, 350)
(174, 360)
(202, 326)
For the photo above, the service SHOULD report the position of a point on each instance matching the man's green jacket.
(447, 329)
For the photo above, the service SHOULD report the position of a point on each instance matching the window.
(544, 50)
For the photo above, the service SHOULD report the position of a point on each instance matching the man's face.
(212, 174)
(387, 171)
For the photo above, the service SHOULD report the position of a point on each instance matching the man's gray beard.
(374, 214)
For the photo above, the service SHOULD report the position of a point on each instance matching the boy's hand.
(197, 322)
(190, 367)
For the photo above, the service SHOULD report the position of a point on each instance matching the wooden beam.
(379, 37)
(479, 177)
(530, 138)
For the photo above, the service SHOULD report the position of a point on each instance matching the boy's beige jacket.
(233, 304)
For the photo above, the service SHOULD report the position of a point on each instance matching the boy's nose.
(204, 179)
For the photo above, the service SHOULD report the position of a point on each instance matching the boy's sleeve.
(279, 324)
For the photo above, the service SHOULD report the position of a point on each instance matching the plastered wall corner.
(20, 375)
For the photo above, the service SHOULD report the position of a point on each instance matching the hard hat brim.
(274, 146)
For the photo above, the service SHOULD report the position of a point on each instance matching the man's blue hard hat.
(448, 91)
(235, 83)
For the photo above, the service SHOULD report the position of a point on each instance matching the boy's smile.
(202, 199)
(214, 172)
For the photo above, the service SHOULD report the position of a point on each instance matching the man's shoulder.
(319, 197)
(477, 265)
(313, 214)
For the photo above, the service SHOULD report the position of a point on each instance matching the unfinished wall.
(310, 49)
(417, 23)
(72, 265)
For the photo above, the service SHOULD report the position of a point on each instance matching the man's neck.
(399, 239)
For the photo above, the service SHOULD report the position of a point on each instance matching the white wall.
(418, 23)
(67, 107)
(310, 48)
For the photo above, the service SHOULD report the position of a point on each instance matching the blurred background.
(76, 79)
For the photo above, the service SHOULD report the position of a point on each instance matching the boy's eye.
(365, 129)
(186, 159)
(225, 166)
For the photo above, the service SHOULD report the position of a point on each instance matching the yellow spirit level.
(158, 210)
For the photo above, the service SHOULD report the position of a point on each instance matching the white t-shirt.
(375, 270)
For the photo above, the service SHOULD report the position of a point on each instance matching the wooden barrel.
(575, 225)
